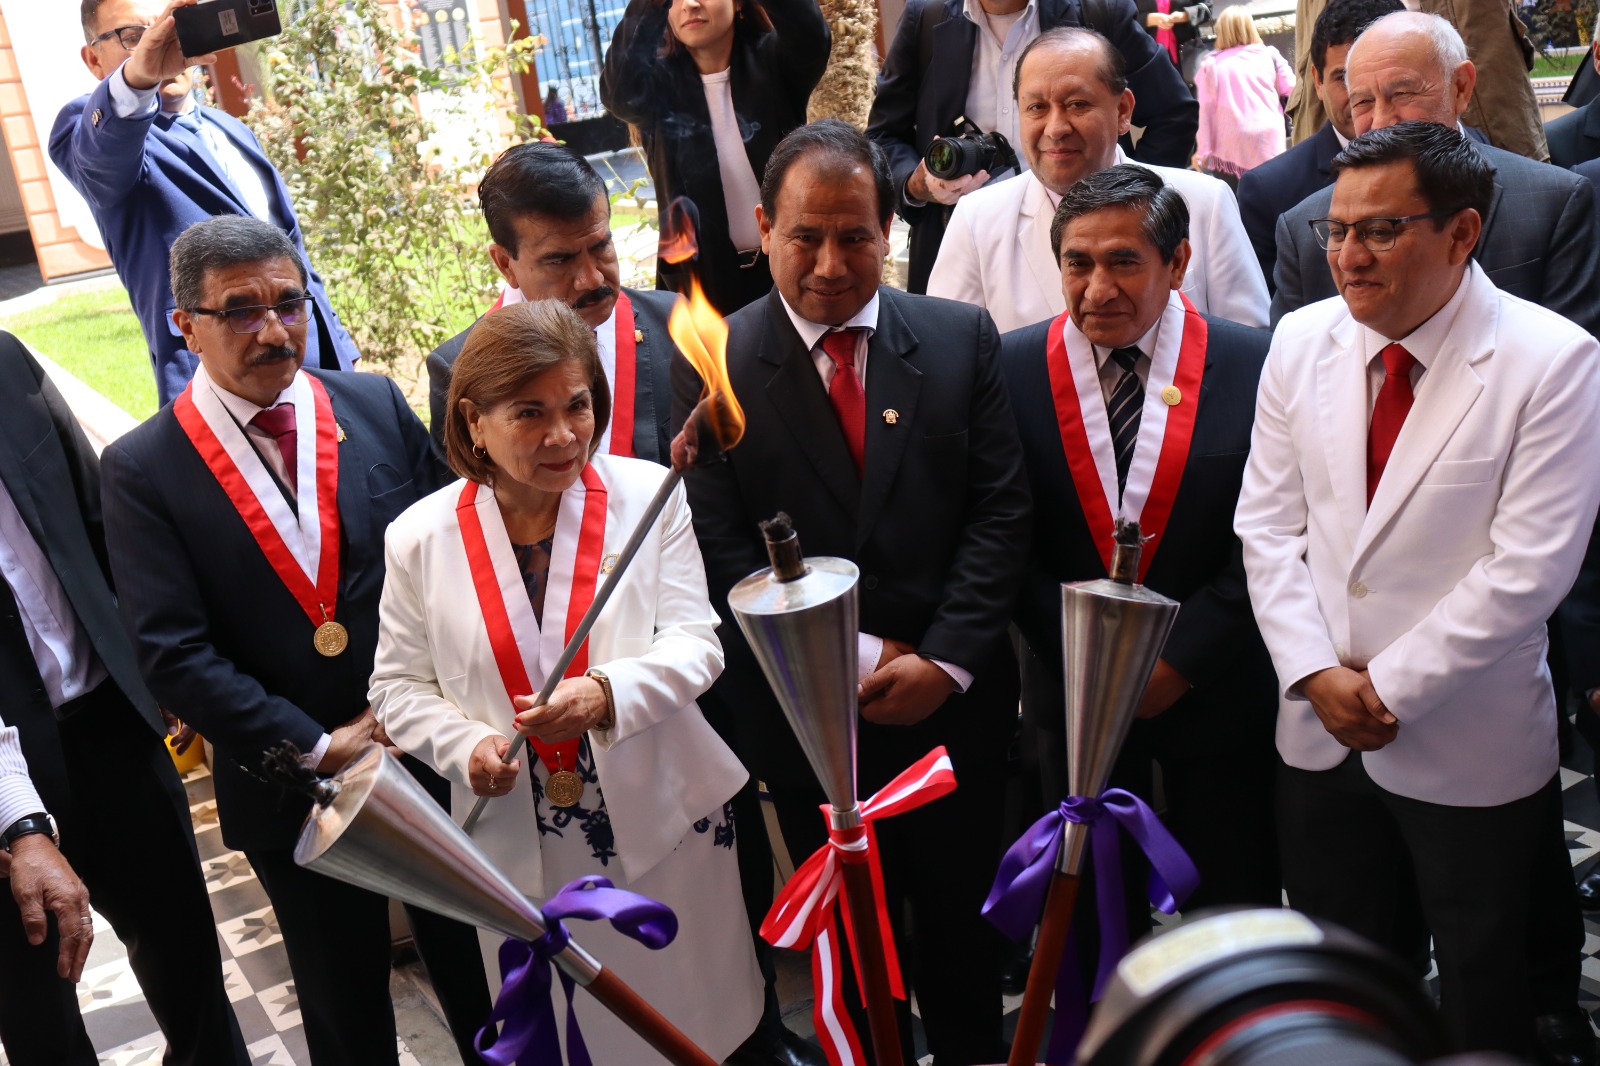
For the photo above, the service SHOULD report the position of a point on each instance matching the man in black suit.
(81, 752)
(1207, 717)
(1539, 239)
(917, 478)
(944, 65)
(550, 220)
(245, 526)
(1575, 137)
(1278, 184)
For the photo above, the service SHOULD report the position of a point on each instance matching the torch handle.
(1052, 944)
(646, 522)
(645, 1020)
(885, 1027)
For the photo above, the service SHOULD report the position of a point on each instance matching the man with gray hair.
(245, 525)
(1539, 238)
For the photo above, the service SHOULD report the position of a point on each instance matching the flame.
(678, 225)
(702, 337)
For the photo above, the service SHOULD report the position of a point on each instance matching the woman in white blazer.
(622, 777)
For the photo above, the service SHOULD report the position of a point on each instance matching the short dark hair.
(1164, 213)
(841, 145)
(88, 12)
(1342, 21)
(1451, 173)
(537, 178)
(1113, 67)
(507, 349)
(224, 241)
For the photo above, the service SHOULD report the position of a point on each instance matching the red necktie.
(279, 423)
(845, 392)
(1389, 413)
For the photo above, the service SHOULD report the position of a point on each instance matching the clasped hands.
(1350, 709)
(904, 688)
(576, 706)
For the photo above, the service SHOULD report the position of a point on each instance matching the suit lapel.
(192, 147)
(795, 392)
(355, 514)
(892, 384)
(1036, 207)
(1342, 412)
(1327, 148)
(1488, 220)
(651, 383)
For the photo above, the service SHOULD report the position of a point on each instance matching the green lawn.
(94, 336)
(1555, 65)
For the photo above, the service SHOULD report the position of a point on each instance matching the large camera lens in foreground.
(1261, 988)
(956, 157)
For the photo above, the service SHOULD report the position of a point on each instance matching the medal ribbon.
(1176, 435)
(622, 391)
(805, 914)
(502, 638)
(317, 593)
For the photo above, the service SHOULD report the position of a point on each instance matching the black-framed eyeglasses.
(253, 319)
(127, 36)
(1375, 234)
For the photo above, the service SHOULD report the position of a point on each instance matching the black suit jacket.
(922, 90)
(52, 475)
(939, 526)
(1574, 137)
(221, 641)
(1214, 643)
(652, 382)
(1280, 183)
(1539, 242)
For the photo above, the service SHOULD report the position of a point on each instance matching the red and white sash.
(302, 549)
(623, 345)
(1165, 430)
(522, 651)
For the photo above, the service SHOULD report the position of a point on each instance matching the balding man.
(1539, 237)
(1074, 101)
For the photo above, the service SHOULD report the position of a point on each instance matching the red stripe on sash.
(622, 393)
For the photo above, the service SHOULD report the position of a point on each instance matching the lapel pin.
(638, 336)
(891, 416)
(609, 563)
(1172, 396)
(342, 437)
(94, 119)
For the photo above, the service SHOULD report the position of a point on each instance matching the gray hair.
(1444, 42)
(225, 241)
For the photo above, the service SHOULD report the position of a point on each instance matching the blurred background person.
(1241, 86)
(555, 112)
(730, 75)
(526, 528)
(1176, 29)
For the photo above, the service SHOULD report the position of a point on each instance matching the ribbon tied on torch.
(1017, 898)
(528, 1037)
(804, 913)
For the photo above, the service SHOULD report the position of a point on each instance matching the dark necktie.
(1389, 413)
(1123, 409)
(278, 422)
(845, 393)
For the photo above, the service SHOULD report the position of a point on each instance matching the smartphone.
(212, 25)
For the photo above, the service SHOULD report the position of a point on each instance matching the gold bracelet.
(610, 718)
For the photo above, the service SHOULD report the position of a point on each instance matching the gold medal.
(564, 789)
(331, 638)
(1172, 396)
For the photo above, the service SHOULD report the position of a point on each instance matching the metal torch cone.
(381, 831)
(801, 617)
(1112, 633)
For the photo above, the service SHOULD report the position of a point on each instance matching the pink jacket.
(1241, 116)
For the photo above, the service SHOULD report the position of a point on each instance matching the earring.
(480, 452)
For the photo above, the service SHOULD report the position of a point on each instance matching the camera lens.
(944, 157)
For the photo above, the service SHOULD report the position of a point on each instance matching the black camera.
(968, 152)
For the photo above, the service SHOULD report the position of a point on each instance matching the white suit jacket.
(1474, 535)
(437, 691)
(996, 252)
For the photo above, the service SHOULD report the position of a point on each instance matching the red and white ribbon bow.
(805, 914)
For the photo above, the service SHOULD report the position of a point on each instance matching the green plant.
(381, 155)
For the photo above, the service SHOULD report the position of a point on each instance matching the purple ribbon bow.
(529, 1037)
(1018, 896)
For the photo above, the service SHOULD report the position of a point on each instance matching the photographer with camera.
(1075, 101)
(151, 162)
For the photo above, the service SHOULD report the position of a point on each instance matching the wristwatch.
(27, 826)
(610, 718)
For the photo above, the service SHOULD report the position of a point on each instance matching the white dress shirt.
(1000, 40)
(869, 646)
(18, 797)
(740, 190)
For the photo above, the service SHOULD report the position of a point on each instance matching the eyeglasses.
(127, 36)
(253, 319)
(1376, 234)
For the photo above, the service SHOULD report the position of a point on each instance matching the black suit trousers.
(1345, 842)
(129, 837)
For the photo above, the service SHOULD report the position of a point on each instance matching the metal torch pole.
(648, 520)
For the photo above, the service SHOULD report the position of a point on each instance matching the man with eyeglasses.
(1418, 498)
(151, 162)
(245, 525)
(1539, 239)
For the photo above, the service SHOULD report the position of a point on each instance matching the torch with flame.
(714, 426)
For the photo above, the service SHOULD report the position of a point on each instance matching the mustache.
(589, 299)
(275, 354)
